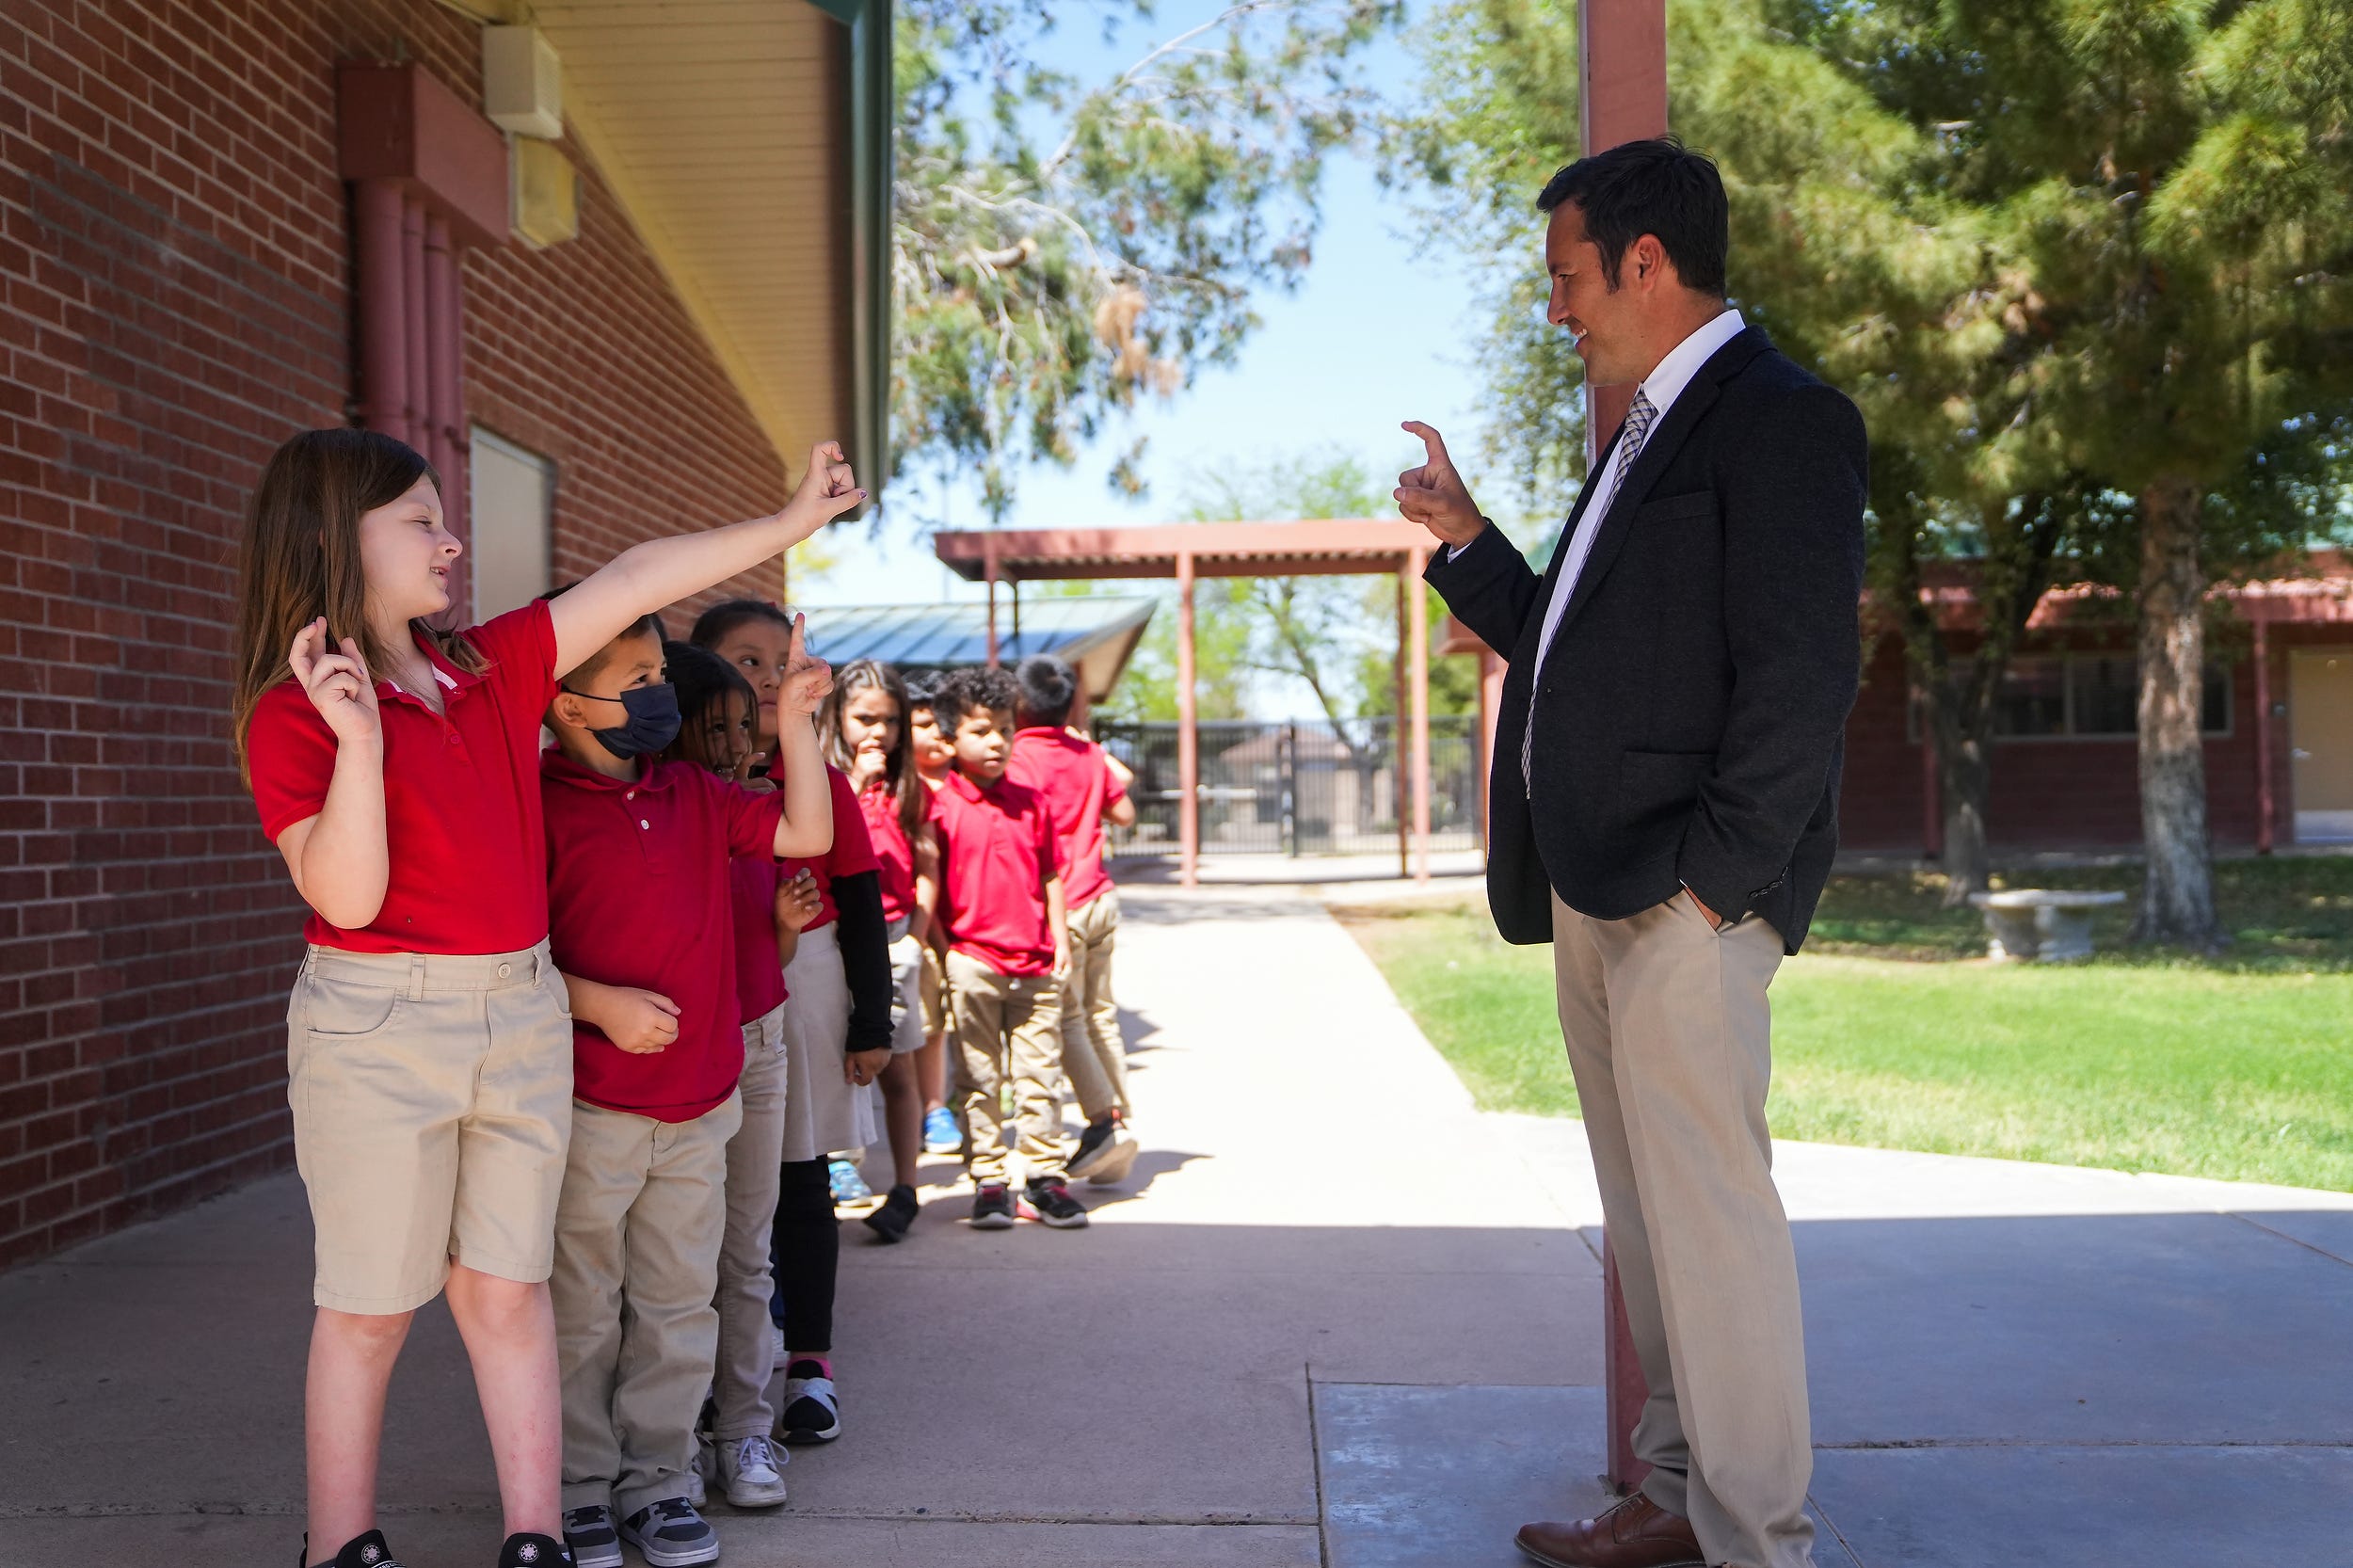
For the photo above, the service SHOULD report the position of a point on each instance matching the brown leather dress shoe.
(1637, 1533)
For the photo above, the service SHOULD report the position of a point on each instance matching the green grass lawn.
(2241, 1067)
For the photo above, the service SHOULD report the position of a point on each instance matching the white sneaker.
(748, 1473)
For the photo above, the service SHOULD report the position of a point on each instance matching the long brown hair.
(301, 558)
(910, 796)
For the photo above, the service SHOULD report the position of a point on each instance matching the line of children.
(520, 1071)
(430, 1050)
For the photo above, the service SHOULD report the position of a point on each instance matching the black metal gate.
(1296, 788)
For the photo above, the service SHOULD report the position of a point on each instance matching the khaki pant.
(746, 1348)
(1669, 1037)
(637, 1235)
(1008, 1029)
(1093, 1054)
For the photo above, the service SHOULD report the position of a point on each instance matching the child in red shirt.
(864, 732)
(638, 881)
(1082, 789)
(428, 1054)
(1001, 898)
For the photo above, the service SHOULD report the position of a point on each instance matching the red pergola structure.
(1313, 548)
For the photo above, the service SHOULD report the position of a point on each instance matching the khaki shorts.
(932, 987)
(432, 1101)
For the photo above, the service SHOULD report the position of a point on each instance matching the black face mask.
(653, 720)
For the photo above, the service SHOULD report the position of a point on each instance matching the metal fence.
(1306, 788)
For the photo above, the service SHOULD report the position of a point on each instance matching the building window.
(2091, 695)
(513, 499)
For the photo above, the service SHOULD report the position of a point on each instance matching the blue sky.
(1373, 334)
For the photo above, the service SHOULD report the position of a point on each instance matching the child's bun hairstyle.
(921, 685)
(301, 558)
(968, 690)
(703, 680)
(1049, 690)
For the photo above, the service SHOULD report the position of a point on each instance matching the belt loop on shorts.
(416, 977)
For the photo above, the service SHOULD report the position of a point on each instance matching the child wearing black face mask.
(637, 888)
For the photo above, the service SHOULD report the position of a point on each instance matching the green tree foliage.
(1061, 246)
(2082, 263)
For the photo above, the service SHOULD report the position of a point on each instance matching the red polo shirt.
(752, 881)
(461, 795)
(998, 849)
(891, 849)
(1077, 783)
(852, 852)
(638, 887)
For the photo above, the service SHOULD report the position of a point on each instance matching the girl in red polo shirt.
(837, 1042)
(429, 1043)
(863, 728)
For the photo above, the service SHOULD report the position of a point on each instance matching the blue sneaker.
(941, 1135)
(848, 1186)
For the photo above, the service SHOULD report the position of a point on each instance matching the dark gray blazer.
(1689, 725)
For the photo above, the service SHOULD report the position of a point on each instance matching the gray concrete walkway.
(1339, 1317)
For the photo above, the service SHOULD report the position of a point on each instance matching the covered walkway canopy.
(1312, 548)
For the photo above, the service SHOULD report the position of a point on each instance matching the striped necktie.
(1639, 419)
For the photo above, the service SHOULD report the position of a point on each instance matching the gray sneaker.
(671, 1534)
(590, 1533)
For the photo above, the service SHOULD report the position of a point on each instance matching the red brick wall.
(2072, 793)
(175, 298)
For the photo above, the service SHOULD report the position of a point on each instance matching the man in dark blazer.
(1664, 810)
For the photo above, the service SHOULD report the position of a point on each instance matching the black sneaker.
(1050, 1197)
(671, 1534)
(992, 1206)
(360, 1551)
(898, 1210)
(594, 1539)
(812, 1408)
(527, 1549)
(1106, 1151)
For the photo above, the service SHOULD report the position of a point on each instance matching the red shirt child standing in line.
(1001, 898)
(1082, 789)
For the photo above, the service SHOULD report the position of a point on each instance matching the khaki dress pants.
(1669, 1037)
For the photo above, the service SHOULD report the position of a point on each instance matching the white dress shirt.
(1663, 386)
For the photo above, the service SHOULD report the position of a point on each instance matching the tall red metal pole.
(1188, 736)
(1621, 45)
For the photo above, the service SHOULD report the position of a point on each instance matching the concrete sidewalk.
(1339, 1317)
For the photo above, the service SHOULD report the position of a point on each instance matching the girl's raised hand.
(827, 490)
(337, 684)
(866, 767)
(807, 677)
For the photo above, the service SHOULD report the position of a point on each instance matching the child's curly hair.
(971, 689)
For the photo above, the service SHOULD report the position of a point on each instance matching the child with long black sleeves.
(395, 768)
(836, 1043)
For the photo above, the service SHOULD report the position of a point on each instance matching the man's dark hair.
(968, 690)
(1047, 690)
(1658, 187)
(587, 669)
